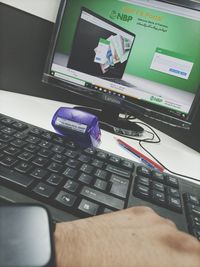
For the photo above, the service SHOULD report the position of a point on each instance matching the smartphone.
(26, 236)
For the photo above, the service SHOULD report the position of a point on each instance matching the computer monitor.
(139, 57)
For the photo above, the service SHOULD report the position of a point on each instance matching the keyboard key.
(40, 161)
(119, 186)
(71, 153)
(8, 121)
(191, 198)
(38, 173)
(58, 139)
(47, 135)
(5, 138)
(45, 144)
(119, 171)
(194, 221)
(58, 158)
(57, 149)
(33, 139)
(175, 204)
(102, 155)
(127, 164)
(73, 163)
(8, 130)
(101, 174)
(70, 173)
(100, 184)
(158, 176)
(23, 167)
(102, 198)
(172, 181)
(19, 126)
(88, 207)
(144, 171)
(2, 145)
(193, 209)
(143, 180)
(70, 144)
(71, 186)
(54, 179)
(90, 151)
(36, 131)
(97, 163)
(20, 135)
(15, 177)
(26, 156)
(44, 153)
(158, 197)
(11, 150)
(195, 225)
(84, 158)
(8, 161)
(142, 191)
(115, 159)
(174, 192)
(66, 199)
(18, 143)
(31, 148)
(85, 178)
(55, 167)
(44, 190)
(87, 168)
(158, 186)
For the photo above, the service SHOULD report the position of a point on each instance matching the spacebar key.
(15, 177)
(102, 198)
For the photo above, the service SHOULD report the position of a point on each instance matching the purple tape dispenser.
(79, 126)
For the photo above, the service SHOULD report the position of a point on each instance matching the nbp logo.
(120, 16)
(113, 14)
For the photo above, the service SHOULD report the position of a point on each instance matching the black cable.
(151, 140)
(174, 173)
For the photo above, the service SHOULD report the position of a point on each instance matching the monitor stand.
(110, 121)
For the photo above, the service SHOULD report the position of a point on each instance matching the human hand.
(135, 237)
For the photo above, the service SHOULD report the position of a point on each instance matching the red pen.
(140, 155)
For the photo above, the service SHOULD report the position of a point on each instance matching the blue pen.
(139, 155)
(141, 159)
(147, 163)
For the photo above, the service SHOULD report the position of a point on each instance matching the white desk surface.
(176, 156)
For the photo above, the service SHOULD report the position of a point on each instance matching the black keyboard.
(39, 166)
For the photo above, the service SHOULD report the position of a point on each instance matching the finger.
(140, 210)
(166, 221)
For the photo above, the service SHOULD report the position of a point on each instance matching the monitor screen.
(133, 56)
